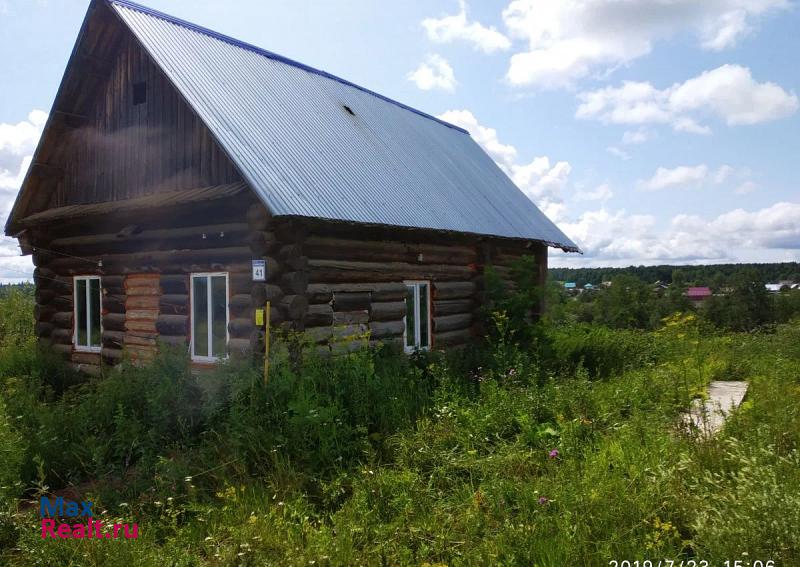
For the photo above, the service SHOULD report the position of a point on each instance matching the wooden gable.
(119, 129)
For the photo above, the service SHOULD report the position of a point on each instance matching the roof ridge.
(275, 56)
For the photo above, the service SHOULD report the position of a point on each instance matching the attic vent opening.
(139, 93)
(349, 110)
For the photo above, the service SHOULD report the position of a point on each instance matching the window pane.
(80, 312)
(410, 321)
(94, 297)
(423, 315)
(219, 307)
(200, 315)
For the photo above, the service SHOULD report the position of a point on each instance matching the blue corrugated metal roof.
(288, 129)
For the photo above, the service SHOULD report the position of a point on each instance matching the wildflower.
(543, 500)
(553, 453)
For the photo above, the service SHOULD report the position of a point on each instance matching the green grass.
(564, 452)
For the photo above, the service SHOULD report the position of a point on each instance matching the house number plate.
(259, 271)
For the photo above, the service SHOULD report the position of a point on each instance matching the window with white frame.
(209, 300)
(87, 305)
(417, 334)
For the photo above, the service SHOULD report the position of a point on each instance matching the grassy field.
(561, 447)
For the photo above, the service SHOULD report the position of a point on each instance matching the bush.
(16, 318)
(104, 425)
(751, 506)
(602, 351)
(12, 449)
(327, 416)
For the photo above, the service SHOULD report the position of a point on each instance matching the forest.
(713, 275)
(557, 440)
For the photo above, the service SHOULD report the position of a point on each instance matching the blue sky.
(651, 132)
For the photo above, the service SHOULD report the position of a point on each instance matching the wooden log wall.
(356, 284)
(357, 288)
(334, 288)
(142, 298)
(145, 277)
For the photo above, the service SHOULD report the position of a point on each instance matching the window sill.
(412, 350)
(95, 350)
(206, 359)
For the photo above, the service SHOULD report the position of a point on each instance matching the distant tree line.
(715, 276)
(26, 288)
(741, 303)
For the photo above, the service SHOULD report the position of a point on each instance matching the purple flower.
(543, 500)
(553, 453)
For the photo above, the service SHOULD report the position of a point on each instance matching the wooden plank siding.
(127, 150)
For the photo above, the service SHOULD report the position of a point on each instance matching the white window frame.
(88, 321)
(418, 327)
(208, 276)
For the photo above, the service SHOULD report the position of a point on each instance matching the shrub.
(12, 449)
(16, 318)
(751, 505)
(327, 415)
(603, 352)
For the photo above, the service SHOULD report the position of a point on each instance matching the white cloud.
(10, 181)
(617, 238)
(683, 124)
(731, 93)
(685, 175)
(17, 143)
(569, 39)
(541, 180)
(680, 176)
(639, 136)
(458, 27)
(774, 227)
(621, 154)
(503, 154)
(600, 193)
(21, 138)
(434, 73)
(728, 92)
(723, 173)
(745, 188)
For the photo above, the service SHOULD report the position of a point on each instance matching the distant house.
(773, 287)
(570, 286)
(588, 287)
(184, 179)
(698, 295)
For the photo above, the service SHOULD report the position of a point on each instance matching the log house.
(174, 157)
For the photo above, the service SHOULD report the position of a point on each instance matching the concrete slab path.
(708, 416)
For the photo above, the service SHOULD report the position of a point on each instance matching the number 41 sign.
(259, 271)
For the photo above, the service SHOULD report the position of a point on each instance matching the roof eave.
(569, 248)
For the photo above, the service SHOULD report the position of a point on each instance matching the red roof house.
(698, 294)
